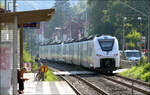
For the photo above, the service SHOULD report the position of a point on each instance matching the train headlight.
(116, 54)
(91, 65)
(99, 55)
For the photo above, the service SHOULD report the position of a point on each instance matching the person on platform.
(21, 79)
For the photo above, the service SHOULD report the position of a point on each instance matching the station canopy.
(27, 16)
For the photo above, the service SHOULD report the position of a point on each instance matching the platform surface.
(73, 72)
(120, 70)
(45, 88)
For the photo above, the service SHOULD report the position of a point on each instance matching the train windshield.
(132, 54)
(106, 44)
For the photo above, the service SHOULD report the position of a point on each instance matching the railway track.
(82, 86)
(76, 83)
(115, 89)
(134, 80)
(130, 83)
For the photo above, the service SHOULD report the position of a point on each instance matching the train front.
(107, 53)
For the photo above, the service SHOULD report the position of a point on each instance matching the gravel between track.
(82, 87)
(109, 86)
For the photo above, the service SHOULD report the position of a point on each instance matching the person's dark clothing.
(20, 80)
(21, 84)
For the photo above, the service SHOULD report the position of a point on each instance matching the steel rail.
(130, 86)
(74, 88)
(85, 81)
(76, 91)
(92, 85)
(134, 80)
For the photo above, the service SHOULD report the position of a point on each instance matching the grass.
(49, 76)
(141, 71)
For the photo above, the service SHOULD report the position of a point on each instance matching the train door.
(81, 53)
(78, 54)
(84, 54)
(90, 58)
(72, 53)
(64, 52)
(67, 53)
(75, 56)
(57, 50)
(52, 52)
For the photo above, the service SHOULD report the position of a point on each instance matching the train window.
(132, 54)
(106, 44)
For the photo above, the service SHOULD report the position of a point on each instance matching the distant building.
(71, 30)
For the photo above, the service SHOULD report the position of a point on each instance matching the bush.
(34, 67)
(28, 59)
(142, 61)
(142, 71)
(146, 77)
(49, 76)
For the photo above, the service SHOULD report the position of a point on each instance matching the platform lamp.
(123, 34)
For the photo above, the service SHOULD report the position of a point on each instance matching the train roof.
(68, 41)
(73, 41)
(131, 51)
(106, 37)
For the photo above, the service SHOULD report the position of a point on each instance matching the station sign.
(31, 25)
(44, 68)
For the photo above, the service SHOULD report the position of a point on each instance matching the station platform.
(73, 73)
(45, 88)
(84, 72)
(120, 70)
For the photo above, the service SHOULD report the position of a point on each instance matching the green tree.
(107, 17)
(132, 39)
(62, 14)
(80, 9)
(26, 45)
(1, 5)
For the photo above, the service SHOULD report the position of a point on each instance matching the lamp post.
(16, 5)
(140, 19)
(123, 34)
(148, 45)
(5, 4)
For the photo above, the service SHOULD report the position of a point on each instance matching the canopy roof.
(27, 16)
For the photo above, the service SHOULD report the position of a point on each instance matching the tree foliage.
(107, 17)
(1, 5)
(63, 13)
(139, 72)
(132, 38)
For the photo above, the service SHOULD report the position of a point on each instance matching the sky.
(26, 5)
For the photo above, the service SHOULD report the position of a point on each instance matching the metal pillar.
(148, 38)
(5, 4)
(123, 34)
(21, 46)
(15, 51)
(123, 38)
